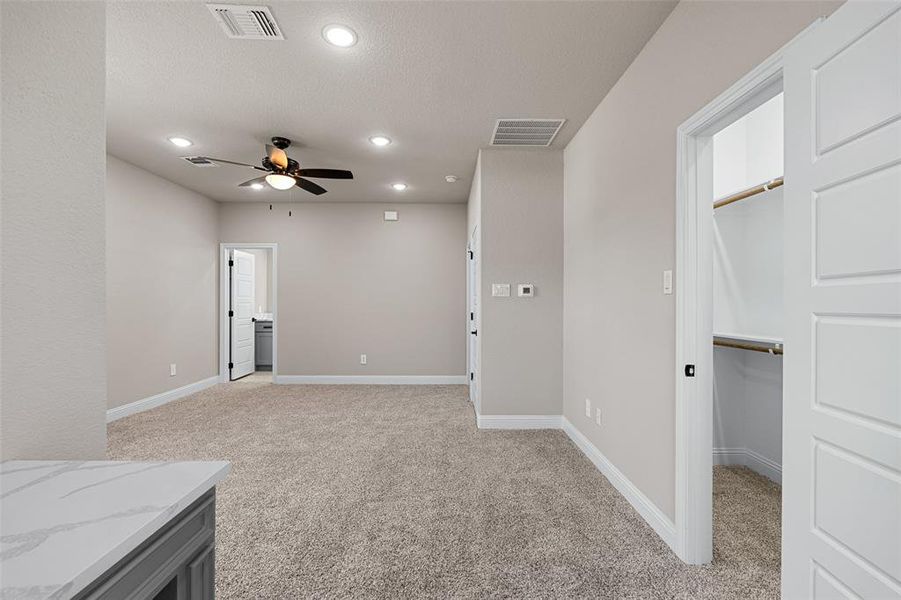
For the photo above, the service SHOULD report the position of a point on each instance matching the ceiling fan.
(283, 172)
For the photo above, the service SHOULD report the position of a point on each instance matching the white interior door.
(473, 323)
(242, 303)
(842, 385)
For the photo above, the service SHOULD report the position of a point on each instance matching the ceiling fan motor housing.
(281, 142)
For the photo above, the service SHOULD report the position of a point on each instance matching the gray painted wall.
(53, 357)
(619, 328)
(521, 215)
(351, 283)
(162, 243)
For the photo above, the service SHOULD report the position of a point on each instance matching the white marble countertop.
(64, 523)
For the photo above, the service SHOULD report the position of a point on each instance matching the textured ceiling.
(433, 76)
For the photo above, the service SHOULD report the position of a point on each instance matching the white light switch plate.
(500, 290)
(172, 370)
(597, 416)
(587, 408)
(362, 359)
(668, 282)
(391, 215)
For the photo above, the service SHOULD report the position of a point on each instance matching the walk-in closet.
(747, 321)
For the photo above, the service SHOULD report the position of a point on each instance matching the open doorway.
(729, 305)
(248, 323)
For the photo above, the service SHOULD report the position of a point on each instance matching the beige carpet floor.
(392, 492)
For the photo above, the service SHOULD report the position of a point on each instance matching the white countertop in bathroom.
(64, 523)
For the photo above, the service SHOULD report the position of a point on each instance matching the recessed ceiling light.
(399, 186)
(339, 35)
(380, 140)
(257, 186)
(181, 142)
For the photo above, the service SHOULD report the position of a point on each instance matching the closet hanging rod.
(757, 189)
(775, 349)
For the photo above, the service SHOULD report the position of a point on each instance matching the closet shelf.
(753, 191)
(744, 342)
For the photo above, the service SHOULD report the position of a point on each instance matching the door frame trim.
(694, 301)
(224, 299)
(472, 285)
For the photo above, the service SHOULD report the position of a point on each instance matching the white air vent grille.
(199, 161)
(246, 22)
(526, 132)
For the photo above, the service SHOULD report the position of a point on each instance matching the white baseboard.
(159, 399)
(649, 511)
(518, 421)
(748, 458)
(373, 379)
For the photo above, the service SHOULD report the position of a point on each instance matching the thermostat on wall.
(391, 215)
(526, 290)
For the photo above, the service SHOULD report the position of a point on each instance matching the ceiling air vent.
(199, 161)
(526, 132)
(246, 22)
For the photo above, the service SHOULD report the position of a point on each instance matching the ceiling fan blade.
(326, 173)
(231, 162)
(310, 186)
(250, 182)
(277, 156)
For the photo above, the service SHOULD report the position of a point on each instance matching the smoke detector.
(246, 22)
(451, 178)
(526, 132)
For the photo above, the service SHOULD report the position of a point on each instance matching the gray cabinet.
(176, 563)
(263, 344)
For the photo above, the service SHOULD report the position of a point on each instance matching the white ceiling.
(433, 76)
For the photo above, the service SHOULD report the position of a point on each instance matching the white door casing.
(242, 304)
(473, 322)
(841, 522)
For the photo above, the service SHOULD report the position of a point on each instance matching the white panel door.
(842, 368)
(242, 303)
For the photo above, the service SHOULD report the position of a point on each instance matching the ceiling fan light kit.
(280, 182)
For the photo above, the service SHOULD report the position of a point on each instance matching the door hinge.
(231, 365)
(472, 316)
(689, 370)
(231, 263)
(470, 376)
(231, 313)
(470, 255)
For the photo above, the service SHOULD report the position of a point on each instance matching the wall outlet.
(587, 408)
(597, 416)
(362, 359)
(172, 370)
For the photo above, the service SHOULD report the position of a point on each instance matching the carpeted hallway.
(392, 492)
